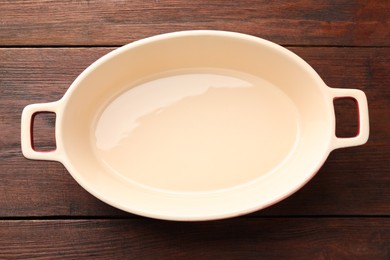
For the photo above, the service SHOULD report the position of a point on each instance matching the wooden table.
(343, 213)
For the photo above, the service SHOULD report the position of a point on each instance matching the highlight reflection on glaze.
(152, 97)
(196, 130)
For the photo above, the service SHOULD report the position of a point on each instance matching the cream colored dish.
(195, 125)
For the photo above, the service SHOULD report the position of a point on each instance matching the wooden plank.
(352, 181)
(60, 23)
(257, 238)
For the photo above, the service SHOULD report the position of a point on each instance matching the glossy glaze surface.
(196, 130)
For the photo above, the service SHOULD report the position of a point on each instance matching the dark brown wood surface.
(326, 22)
(344, 212)
(244, 238)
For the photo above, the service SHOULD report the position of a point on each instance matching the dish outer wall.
(303, 85)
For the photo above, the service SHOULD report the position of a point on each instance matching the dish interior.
(195, 130)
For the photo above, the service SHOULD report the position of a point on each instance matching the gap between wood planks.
(55, 218)
(117, 46)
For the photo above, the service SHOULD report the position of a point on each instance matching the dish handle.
(28, 114)
(363, 122)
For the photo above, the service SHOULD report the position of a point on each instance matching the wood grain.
(258, 238)
(91, 23)
(343, 213)
(352, 181)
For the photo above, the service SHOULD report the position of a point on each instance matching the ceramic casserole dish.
(195, 125)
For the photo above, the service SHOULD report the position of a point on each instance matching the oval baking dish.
(195, 125)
